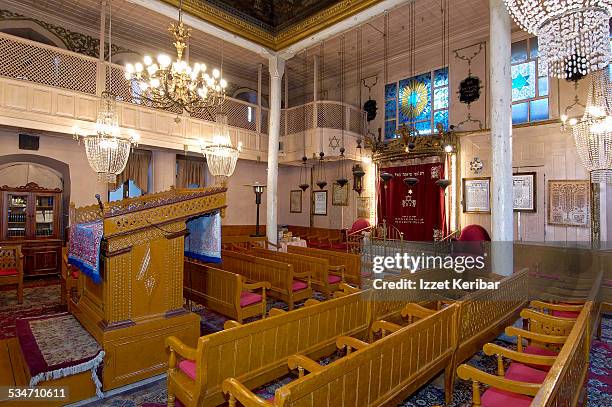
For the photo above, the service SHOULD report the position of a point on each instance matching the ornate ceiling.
(275, 24)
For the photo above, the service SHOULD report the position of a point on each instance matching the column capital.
(276, 66)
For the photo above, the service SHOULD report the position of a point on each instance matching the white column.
(276, 67)
(501, 139)
(315, 92)
(258, 118)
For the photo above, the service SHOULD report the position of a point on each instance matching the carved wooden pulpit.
(139, 301)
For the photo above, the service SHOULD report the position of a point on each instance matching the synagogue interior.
(305, 203)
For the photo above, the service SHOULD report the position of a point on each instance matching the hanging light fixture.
(221, 156)
(573, 35)
(108, 150)
(321, 183)
(304, 175)
(168, 84)
(342, 181)
(593, 134)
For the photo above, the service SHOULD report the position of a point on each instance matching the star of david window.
(420, 101)
(529, 83)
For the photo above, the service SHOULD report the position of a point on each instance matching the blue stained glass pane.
(390, 109)
(440, 98)
(415, 98)
(423, 127)
(389, 129)
(391, 91)
(519, 113)
(523, 81)
(543, 86)
(519, 52)
(539, 109)
(441, 117)
(533, 45)
(441, 77)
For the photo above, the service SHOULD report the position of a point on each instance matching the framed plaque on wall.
(295, 201)
(319, 203)
(569, 203)
(340, 195)
(363, 207)
(477, 195)
(524, 192)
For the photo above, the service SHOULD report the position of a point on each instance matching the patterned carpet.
(40, 297)
(432, 394)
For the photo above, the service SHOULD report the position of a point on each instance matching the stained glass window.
(529, 83)
(421, 101)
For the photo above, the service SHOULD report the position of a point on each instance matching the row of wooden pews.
(550, 365)
(403, 343)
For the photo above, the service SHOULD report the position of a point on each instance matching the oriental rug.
(49, 355)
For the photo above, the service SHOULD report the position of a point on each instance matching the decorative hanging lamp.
(321, 183)
(443, 183)
(221, 155)
(593, 133)
(342, 180)
(411, 181)
(304, 175)
(304, 169)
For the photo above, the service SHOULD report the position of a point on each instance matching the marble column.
(276, 67)
(500, 83)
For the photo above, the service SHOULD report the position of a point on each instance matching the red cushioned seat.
(565, 314)
(248, 298)
(523, 373)
(536, 350)
(298, 285)
(339, 246)
(188, 367)
(312, 243)
(333, 279)
(499, 398)
(8, 272)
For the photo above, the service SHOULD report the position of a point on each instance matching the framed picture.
(340, 195)
(295, 201)
(569, 203)
(363, 207)
(319, 203)
(477, 195)
(524, 192)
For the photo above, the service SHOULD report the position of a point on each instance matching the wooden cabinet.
(31, 217)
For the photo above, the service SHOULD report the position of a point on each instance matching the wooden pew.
(223, 291)
(243, 243)
(324, 278)
(379, 374)
(563, 385)
(257, 353)
(287, 284)
(351, 263)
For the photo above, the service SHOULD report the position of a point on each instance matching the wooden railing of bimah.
(256, 353)
(280, 275)
(320, 270)
(379, 374)
(221, 290)
(350, 263)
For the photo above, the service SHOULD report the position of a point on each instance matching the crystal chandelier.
(573, 35)
(221, 156)
(165, 84)
(107, 151)
(593, 134)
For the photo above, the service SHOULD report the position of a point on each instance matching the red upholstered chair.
(353, 235)
(11, 268)
(471, 241)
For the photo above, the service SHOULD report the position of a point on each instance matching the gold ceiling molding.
(288, 36)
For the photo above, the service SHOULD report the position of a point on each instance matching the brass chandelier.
(167, 85)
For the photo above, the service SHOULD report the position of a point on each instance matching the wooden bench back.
(318, 268)
(257, 353)
(11, 257)
(280, 275)
(243, 242)
(351, 262)
(214, 284)
(382, 373)
(570, 369)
